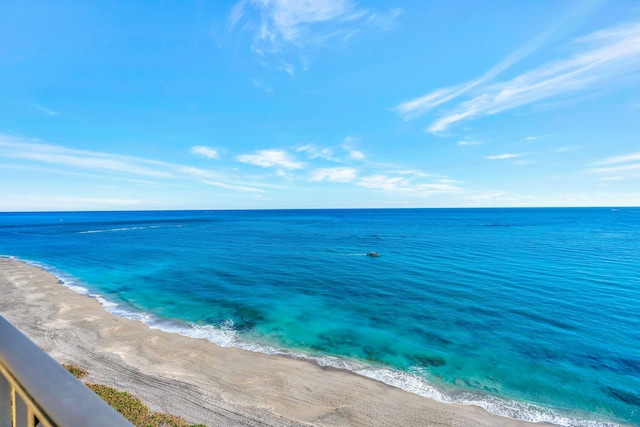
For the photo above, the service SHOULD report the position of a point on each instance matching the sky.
(278, 104)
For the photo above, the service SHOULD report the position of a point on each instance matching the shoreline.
(201, 381)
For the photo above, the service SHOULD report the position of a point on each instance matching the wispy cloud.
(413, 172)
(399, 184)
(618, 166)
(45, 110)
(352, 153)
(356, 155)
(48, 202)
(262, 85)
(465, 143)
(270, 158)
(334, 174)
(313, 151)
(344, 154)
(504, 156)
(31, 150)
(421, 105)
(34, 154)
(617, 169)
(289, 26)
(625, 158)
(234, 187)
(566, 149)
(282, 22)
(212, 153)
(611, 54)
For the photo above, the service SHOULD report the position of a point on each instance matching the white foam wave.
(224, 335)
(107, 230)
(406, 381)
(527, 411)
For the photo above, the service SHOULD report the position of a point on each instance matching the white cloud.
(504, 156)
(523, 162)
(356, 155)
(413, 172)
(36, 151)
(632, 157)
(396, 184)
(46, 202)
(100, 165)
(386, 21)
(616, 169)
(45, 110)
(353, 154)
(334, 174)
(421, 105)
(209, 152)
(195, 172)
(270, 158)
(285, 31)
(313, 151)
(282, 22)
(234, 187)
(610, 178)
(565, 149)
(611, 54)
(464, 143)
(262, 86)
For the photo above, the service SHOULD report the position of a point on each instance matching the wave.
(106, 230)
(226, 335)
(624, 211)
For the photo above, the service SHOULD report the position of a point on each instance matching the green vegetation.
(129, 405)
(76, 371)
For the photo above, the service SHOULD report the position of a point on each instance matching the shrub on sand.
(134, 410)
(128, 405)
(124, 402)
(76, 371)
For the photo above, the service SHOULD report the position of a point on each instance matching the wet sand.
(201, 381)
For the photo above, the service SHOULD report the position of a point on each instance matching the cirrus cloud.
(608, 55)
(334, 174)
(270, 158)
(504, 156)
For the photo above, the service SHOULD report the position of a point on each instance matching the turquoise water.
(530, 313)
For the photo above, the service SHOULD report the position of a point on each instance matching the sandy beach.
(202, 382)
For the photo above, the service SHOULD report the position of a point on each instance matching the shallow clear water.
(531, 313)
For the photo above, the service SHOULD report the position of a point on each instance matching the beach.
(202, 382)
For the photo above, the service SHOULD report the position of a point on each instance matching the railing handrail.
(51, 393)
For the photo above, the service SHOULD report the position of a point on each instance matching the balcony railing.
(36, 391)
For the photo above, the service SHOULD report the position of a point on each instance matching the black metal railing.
(36, 391)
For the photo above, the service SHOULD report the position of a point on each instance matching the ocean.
(530, 313)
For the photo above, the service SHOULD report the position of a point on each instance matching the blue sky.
(262, 104)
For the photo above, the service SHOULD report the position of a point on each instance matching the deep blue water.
(531, 313)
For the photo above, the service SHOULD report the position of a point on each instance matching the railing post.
(20, 410)
(5, 402)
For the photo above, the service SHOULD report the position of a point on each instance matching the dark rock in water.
(427, 361)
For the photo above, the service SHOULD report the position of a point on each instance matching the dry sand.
(202, 382)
